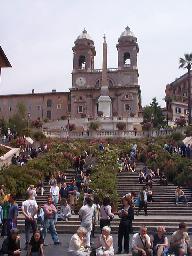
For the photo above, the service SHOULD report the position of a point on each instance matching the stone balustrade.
(5, 160)
(109, 134)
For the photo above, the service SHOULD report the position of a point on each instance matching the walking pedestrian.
(50, 213)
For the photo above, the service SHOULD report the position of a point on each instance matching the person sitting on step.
(159, 242)
(180, 196)
(141, 243)
(179, 243)
(65, 212)
(77, 244)
(105, 243)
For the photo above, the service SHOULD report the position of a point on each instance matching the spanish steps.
(162, 211)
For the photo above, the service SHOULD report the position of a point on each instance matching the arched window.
(127, 59)
(110, 83)
(49, 103)
(82, 62)
(97, 83)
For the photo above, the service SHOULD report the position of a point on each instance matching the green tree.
(186, 62)
(153, 114)
(18, 122)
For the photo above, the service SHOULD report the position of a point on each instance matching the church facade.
(122, 82)
(107, 92)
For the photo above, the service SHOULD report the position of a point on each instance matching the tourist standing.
(63, 192)
(5, 214)
(13, 213)
(142, 201)
(29, 210)
(54, 192)
(50, 213)
(86, 216)
(126, 215)
(105, 213)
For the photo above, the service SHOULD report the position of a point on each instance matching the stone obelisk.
(104, 101)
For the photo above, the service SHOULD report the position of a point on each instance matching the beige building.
(177, 98)
(53, 105)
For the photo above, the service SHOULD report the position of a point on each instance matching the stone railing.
(5, 160)
(109, 134)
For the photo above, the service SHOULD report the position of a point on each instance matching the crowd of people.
(62, 203)
(182, 149)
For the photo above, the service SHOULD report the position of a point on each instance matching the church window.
(49, 103)
(127, 107)
(58, 106)
(49, 114)
(178, 110)
(127, 59)
(82, 61)
(97, 83)
(186, 111)
(38, 107)
(10, 108)
(80, 98)
(110, 83)
(80, 109)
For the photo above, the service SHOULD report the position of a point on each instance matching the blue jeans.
(55, 199)
(29, 224)
(49, 224)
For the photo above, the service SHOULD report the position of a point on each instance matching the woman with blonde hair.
(105, 243)
(77, 244)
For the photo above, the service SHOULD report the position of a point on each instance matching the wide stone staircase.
(162, 211)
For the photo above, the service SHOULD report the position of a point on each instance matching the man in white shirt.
(141, 243)
(29, 210)
(54, 192)
(86, 216)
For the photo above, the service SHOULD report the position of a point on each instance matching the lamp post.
(28, 119)
(152, 119)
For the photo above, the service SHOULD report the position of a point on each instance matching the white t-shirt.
(75, 243)
(137, 241)
(30, 207)
(54, 190)
(86, 214)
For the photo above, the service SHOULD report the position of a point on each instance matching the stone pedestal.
(104, 105)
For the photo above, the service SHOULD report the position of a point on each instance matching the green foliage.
(121, 126)
(3, 150)
(154, 114)
(94, 126)
(188, 131)
(38, 136)
(176, 136)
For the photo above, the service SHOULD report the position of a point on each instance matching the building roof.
(4, 62)
(127, 32)
(84, 35)
(33, 94)
(180, 79)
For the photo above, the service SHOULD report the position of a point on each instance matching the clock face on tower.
(80, 81)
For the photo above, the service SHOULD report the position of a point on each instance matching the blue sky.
(37, 36)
